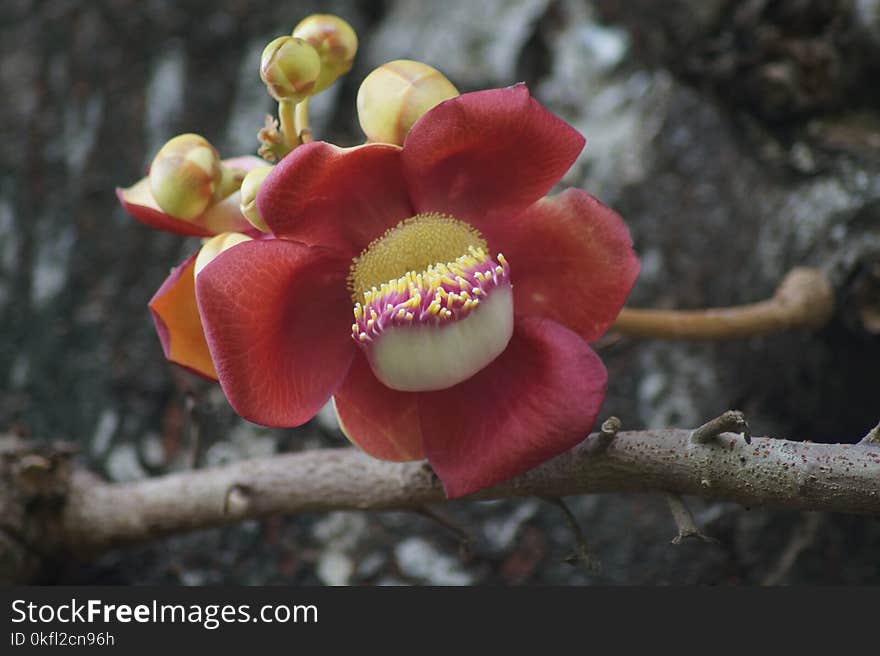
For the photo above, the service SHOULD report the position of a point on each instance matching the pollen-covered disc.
(432, 328)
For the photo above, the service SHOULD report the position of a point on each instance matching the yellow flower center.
(411, 246)
(431, 306)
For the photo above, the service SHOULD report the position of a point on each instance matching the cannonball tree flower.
(203, 192)
(432, 290)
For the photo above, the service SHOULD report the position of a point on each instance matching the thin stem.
(301, 121)
(286, 111)
(804, 299)
(582, 553)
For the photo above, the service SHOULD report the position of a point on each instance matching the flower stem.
(288, 124)
(804, 299)
(301, 122)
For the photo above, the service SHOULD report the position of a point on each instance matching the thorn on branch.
(609, 430)
(732, 421)
(582, 554)
(684, 521)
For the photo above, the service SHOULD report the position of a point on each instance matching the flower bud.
(216, 245)
(249, 188)
(335, 42)
(290, 67)
(395, 95)
(185, 176)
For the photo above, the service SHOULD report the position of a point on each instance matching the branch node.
(237, 501)
(872, 438)
(684, 521)
(732, 421)
(608, 431)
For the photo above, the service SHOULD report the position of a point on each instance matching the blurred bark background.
(737, 139)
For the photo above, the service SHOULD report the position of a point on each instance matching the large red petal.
(341, 198)
(487, 155)
(571, 259)
(178, 324)
(224, 216)
(536, 400)
(381, 421)
(277, 318)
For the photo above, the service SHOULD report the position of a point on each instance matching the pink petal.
(381, 421)
(277, 318)
(225, 216)
(342, 198)
(178, 324)
(487, 155)
(536, 400)
(571, 260)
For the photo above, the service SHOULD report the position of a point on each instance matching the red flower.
(476, 360)
(173, 307)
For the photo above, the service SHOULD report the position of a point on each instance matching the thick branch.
(767, 472)
(804, 299)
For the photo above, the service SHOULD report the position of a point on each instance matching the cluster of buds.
(319, 51)
(187, 179)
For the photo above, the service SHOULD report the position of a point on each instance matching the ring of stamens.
(440, 293)
(431, 305)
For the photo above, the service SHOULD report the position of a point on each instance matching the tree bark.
(768, 473)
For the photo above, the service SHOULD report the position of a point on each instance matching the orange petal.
(178, 323)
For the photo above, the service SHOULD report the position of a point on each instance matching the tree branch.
(804, 299)
(768, 472)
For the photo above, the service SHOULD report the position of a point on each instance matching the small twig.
(194, 428)
(684, 521)
(804, 299)
(609, 430)
(582, 553)
(732, 421)
(802, 537)
(465, 538)
(873, 436)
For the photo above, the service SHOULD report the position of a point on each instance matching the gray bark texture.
(737, 139)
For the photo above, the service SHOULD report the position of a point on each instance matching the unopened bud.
(336, 44)
(396, 95)
(290, 67)
(216, 245)
(185, 176)
(249, 188)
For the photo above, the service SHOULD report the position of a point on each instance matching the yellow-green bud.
(249, 188)
(335, 41)
(290, 67)
(395, 95)
(185, 176)
(216, 245)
